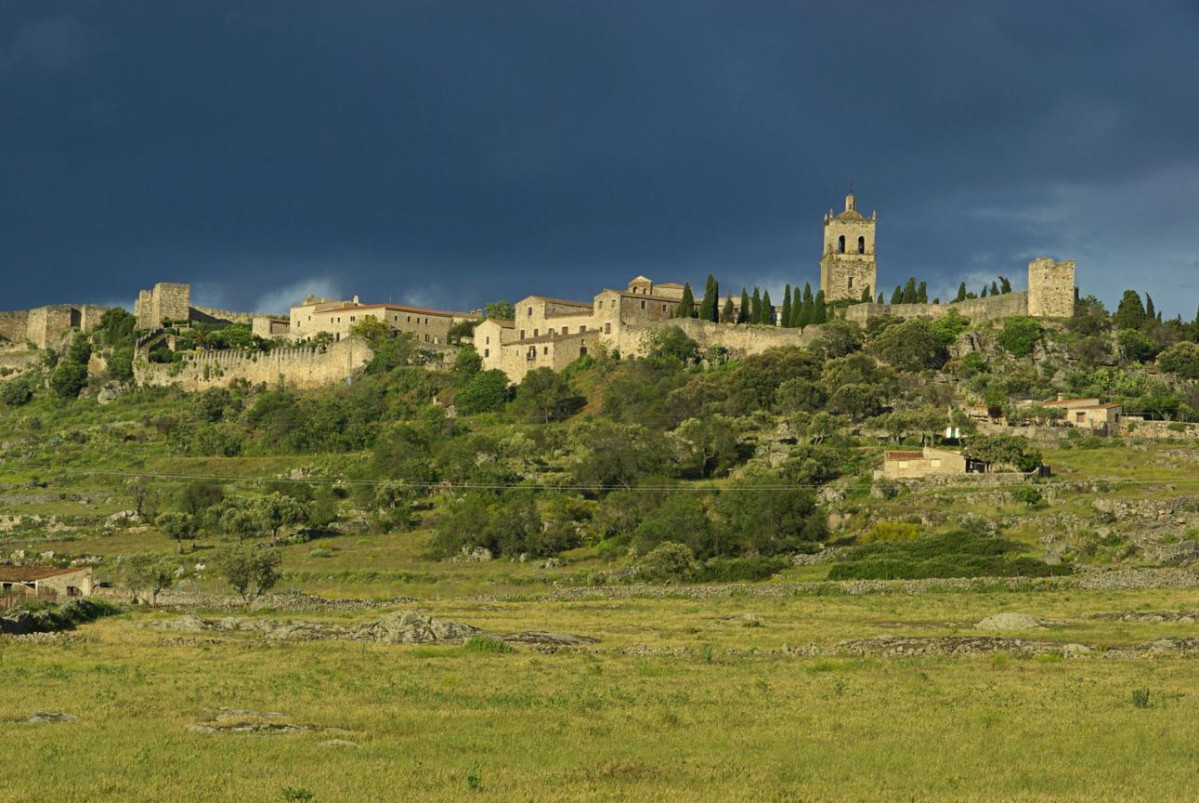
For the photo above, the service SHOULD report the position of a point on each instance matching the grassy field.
(673, 703)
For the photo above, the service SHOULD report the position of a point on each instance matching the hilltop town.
(305, 349)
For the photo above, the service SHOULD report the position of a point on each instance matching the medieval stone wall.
(211, 315)
(14, 325)
(741, 340)
(297, 368)
(977, 310)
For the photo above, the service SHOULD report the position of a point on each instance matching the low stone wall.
(1140, 429)
(297, 368)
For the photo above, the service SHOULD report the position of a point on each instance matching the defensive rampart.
(977, 310)
(297, 368)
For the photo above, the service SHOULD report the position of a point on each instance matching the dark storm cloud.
(450, 153)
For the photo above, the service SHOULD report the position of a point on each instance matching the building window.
(534, 333)
(583, 328)
(522, 334)
(409, 319)
(486, 353)
(608, 328)
(850, 282)
(861, 245)
(487, 340)
(643, 304)
(545, 349)
(841, 244)
(566, 330)
(532, 355)
(426, 337)
(664, 308)
(583, 350)
(551, 330)
(530, 312)
(353, 318)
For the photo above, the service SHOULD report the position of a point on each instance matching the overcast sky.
(451, 153)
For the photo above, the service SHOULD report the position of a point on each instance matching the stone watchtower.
(1051, 288)
(848, 267)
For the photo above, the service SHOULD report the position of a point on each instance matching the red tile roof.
(400, 307)
(903, 455)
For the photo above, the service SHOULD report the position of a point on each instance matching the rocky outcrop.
(399, 627)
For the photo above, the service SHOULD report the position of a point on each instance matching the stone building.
(848, 267)
(270, 326)
(46, 581)
(1089, 415)
(898, 465)
(315, 315)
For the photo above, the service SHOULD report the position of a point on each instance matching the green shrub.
(889, 531)
(1020, 334)
(668, 562)
(487, 644)
(748, 569)
(961, 553)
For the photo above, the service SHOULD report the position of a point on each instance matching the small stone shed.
(898, 465)
(46, 580)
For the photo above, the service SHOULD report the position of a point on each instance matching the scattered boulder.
(410, 627)
(49, 717)
(398, 627)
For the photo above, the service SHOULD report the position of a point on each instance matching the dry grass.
(707, 719)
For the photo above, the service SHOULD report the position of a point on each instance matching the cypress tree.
(909, 291)
(729, 315)
(994, 289)
(961, 296)
(1131, 312)
(1005, 286)
(743, 312)
(983, 294)
(922, 293)
(755, 307)
(786, 316)
(767, 309)
(803, 315)
(1150, 310)
(710, 309)
(866, 296)
(882, 299)
(819, 312)
(897, 296)
(686, 308)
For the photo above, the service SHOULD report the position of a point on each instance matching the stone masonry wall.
(211, 315)
(976, 309)
(1051, 289)
(298, 368)
(14, 325)
(741, 340)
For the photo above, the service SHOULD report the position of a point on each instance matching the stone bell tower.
(848, 267)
